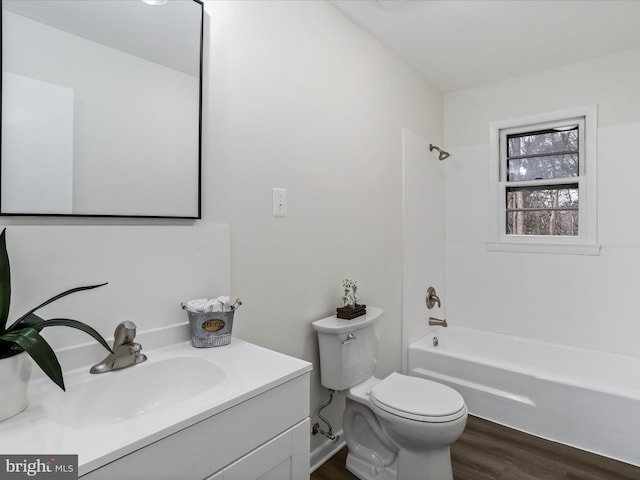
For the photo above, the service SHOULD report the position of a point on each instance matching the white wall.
(150, 270)
(298, 97)
(37, 176)
(580, 300)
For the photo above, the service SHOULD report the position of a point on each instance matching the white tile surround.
(582, 300)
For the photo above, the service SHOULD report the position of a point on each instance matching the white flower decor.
(350, 297)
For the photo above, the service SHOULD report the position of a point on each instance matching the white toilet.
(398, 428)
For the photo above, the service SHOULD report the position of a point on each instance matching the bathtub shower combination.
(585, 398)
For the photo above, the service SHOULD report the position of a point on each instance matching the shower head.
(442, 154)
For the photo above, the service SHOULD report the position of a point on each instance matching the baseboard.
(325, 451)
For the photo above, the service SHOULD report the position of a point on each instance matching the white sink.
(96, 400)
(110, 416)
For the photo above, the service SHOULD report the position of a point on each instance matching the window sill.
(550, 248)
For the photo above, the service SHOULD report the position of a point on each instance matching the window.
(544, 183)
(542, 173)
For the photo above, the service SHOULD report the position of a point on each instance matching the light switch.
(279, 202)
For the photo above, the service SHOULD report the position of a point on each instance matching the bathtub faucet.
(126, 352)
(431, 298)
(437, 321)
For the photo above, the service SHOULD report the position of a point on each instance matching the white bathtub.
(585, 398)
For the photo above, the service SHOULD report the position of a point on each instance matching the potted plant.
(350, 308)
(21, 340)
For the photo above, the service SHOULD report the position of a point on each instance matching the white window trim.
(587, 242)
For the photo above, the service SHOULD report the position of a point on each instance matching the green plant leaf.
(27, 321)
(41, 352)
(38, 323)
(67, 322)
(5, 282)
(51, 300)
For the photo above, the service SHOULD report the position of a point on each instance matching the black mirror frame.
(199, 199)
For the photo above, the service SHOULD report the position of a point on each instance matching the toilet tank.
(348, 349)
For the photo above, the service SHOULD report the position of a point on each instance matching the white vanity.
(233, 412)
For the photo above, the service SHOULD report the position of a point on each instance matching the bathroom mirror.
(101, 108)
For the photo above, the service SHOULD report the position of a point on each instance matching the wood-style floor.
(487, 451)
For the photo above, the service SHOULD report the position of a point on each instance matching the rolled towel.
(220, 304)
(225, 302)
(196, 305)
(212, 306)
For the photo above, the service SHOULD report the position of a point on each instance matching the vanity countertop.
(247, 370)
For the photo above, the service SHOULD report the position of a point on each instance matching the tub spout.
(437, 321)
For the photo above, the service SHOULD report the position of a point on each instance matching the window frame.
(585, 243)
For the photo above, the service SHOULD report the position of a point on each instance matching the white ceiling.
(458, 44)
(166, 34)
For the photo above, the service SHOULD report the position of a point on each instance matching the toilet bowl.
(423, 419)
(401, 428)
(396, 428)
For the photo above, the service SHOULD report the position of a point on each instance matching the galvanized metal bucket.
(210, 329)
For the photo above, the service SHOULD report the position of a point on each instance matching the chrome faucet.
(126, 352)
(437, 321)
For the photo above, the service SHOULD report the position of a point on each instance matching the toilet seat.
(418, 399)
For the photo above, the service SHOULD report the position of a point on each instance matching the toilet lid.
(418, 399)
